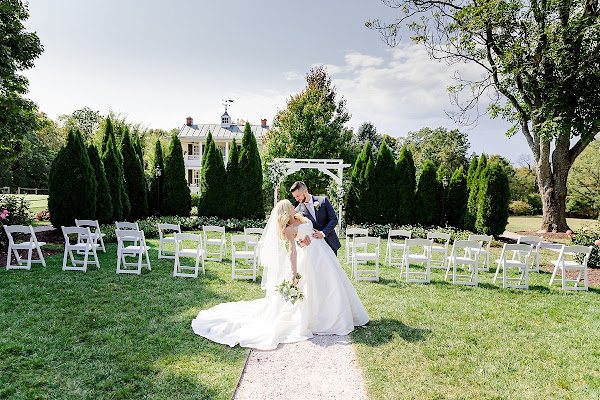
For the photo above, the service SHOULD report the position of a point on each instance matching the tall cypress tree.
(251, 177)
(493, 199)
(134, 178)
(369, 201)
(104, 207)
(176, 199)
(156, 182)
(353, 207)
(213, 184)
(456, 200)
(427, 196)
(209, 140)
(407, 184)
(71, 184)
(472, 202)
(232, 204)
(386, 181)
(471, 170)
(109, 131)
(112, 168)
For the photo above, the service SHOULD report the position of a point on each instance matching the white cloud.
(292, 76)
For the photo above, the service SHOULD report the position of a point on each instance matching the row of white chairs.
(467, 258)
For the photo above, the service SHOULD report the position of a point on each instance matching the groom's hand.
(317, 234)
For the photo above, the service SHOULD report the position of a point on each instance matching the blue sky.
(158, 62)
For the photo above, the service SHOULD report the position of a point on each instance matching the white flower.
(316, 205)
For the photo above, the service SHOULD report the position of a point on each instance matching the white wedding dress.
(330, 305)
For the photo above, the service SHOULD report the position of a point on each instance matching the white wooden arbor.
(327, 166)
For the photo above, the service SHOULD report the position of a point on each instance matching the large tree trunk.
(552, 182)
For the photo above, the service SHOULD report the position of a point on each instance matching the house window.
(196, 177)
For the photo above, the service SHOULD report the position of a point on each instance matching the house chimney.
(263, 123)
(189, 121)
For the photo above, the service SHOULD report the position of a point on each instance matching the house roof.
(200, 131)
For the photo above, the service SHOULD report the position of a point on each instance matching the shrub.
(195, 199)
(104, 207)
(150, 225)
(72, 184)
(134, 179)
(418, 231)
(17, 214)
(232, 205)
(427, 197)
(355, 192)
(588, 237)
(493, 199)
(156, 182)
(112, 170)
(250, 173)
(407, 184)
(176, 199)
(213, 184)
(474, 184)
(519, 207)
(386, 182)
(456, 200)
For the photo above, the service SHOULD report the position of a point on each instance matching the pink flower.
(4, 214)
(597, 242)
(569, 232)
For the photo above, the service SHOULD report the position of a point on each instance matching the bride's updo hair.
(285, 216)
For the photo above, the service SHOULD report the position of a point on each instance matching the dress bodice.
(304, 230)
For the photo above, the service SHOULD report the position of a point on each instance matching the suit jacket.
(326, 220)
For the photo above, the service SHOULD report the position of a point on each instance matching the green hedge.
(18, 214)
(588, 237)
(150, 225)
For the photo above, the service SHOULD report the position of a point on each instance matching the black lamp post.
(445, 185)
(157, 174)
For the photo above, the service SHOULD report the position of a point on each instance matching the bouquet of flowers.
(289, 291)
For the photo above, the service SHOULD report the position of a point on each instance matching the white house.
(193, 138)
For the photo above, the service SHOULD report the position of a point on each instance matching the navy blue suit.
(326, 220)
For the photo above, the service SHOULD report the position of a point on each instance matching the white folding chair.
(188, 245)
(442, 248)
(398, 246)
(519, 260)
(351, 234)
(97, 235)
(535, 242)
(163, 237)
(85, 244)
(470, 260)
(137, 248)
(127, 226)
(214, 241)
(484, 251)
(565, 265)
(244, 272)
(256, 234)
(358, 257)
(29, 245)
(417, 251)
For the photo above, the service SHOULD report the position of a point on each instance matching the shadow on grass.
(385, 330)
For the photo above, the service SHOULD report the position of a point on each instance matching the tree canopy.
(440, 146)
(18, 50)
(311, 126)
(539, 64)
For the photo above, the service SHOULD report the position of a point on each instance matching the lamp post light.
(157, 174)
(445, 185)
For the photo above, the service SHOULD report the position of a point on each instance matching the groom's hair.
(298, 185)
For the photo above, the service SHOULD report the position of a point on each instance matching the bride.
(330, 305)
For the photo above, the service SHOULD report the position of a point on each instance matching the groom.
(320, 211)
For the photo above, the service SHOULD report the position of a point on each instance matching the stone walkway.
(323, 367)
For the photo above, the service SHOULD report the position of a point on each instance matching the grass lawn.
(534, 222)
(100, 335)
(38, 202)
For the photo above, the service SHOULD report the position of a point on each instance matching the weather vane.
(226, 103)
